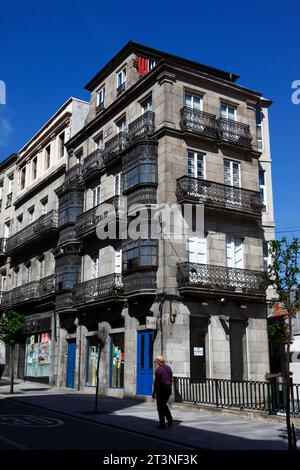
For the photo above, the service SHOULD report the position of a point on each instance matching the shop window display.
(117, 360)
(38, 355)
(91, 361)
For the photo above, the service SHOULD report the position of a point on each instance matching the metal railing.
(114, 146)
(193, 120)
(211, 277)
(142, 279)
(239, 394)
(30, 291)
(96, 289)
(142, 126)
(218, 195)
(89, 220)
(34, 230)
(234, 132)
(94, 161)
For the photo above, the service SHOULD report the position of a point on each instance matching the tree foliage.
(12, 327)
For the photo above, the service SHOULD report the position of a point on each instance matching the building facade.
(161, 131)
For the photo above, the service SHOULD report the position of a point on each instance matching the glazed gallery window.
(141, 173)
(38, 355)
(91, 360)
(140, 253)
(117, 357)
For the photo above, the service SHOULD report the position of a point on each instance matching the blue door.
(71, 363)
(144, 362)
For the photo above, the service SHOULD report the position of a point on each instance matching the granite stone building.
(159, 130)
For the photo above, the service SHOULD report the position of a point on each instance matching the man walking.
(162, 392)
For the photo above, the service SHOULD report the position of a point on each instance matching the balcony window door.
(121, 125)
(193, 101)
(228, 111)
(98, 142)
(234, 252)
(232, 178)
(97, 196)
(118, 261)
(197, 253)
(147, 104)
(95, 266)
(262, 186)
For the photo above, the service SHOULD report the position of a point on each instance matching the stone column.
(220, 347)
(258, 351)
(130, 347)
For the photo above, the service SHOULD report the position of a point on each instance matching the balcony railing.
(36, 229)
(198, 121)
(3, 245)
(114, 146)
(89, 220)
(191, 189)
(30, 291)
(94, 161)
(142, 279)
(234, 132)
(220, 278)
(99, 288)
(142, 126)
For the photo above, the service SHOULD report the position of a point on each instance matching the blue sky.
(50, 50)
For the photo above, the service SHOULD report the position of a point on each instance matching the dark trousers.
(162, 397)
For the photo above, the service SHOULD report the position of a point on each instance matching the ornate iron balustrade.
(211, 277)
(94, 161)
(30, 291)
(234, 132)
(114, 146)
(72, 178)
(142, 126)
(97, 289)
(198, 121)
(219, 195)
(89, 219)
(3, 245)
(33, 231)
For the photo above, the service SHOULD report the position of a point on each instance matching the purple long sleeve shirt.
(163, 376)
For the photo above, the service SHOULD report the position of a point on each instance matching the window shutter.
(118, 261)
(197, 250)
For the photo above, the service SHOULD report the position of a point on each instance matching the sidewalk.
(194, 427)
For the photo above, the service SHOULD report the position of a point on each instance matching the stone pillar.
(220, 348)
(62, 357)
(258, 351)
(130, 346)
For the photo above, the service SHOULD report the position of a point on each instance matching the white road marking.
(15, 444)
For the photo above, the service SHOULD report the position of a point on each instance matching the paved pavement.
(194, 427)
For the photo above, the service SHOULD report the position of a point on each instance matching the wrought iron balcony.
(143, 126)
(3, 245)
(98, 289)
(198, 121)
(234, 132)
(220, 278)
(40, 227)
(218, 195)
(89, 220)
(114, 146)
(29, 292)
(93, 162)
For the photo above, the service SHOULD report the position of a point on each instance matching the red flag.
(142, 65)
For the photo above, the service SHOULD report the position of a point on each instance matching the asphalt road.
(24, 427)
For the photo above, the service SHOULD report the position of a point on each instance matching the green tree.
(11, 333)
(283, 276)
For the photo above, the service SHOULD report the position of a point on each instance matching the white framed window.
(31, 214)
(147, 104)
(262, 186)
(228, 111)
(196, 164)
(47, 156)
(118, 184)
(23, 177)
(192, 100)
(61, 142)
(121, 124)
(232, 173)
(118, 261)
(101, 96)
(98, 142)
(34, 168)
(95, 266)
(197, 249)
(7, 229)
(44, 204)
(121, 78)
(97, 195)
(10, 184)
(259, 128)
(234, 252)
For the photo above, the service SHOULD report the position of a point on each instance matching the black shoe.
(161, 426)
(170, 423)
